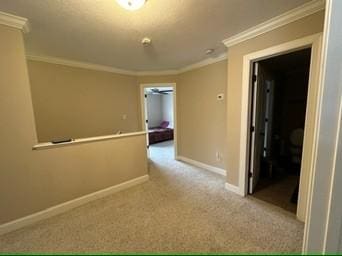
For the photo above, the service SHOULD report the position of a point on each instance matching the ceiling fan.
(158, 91)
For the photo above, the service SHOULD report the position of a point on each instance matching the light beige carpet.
(181, 209)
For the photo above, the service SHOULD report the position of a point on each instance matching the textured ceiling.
(101, 32)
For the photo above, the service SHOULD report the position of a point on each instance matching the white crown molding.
(157, 73)
(276, 22)
(14, 21)
(203, 63)
(87, 65)
(79, 64)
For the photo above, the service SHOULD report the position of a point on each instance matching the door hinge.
(145, 95)
(254, 78)
(146, 121)
(252, 128)
(148, 146)
(250, 175)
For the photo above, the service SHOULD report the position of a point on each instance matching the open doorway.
(160, 119)
(278, 113)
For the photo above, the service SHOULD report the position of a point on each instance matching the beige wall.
(31, 181)
(201, 117)
(309, 25)
(73, 102)
(157, 79)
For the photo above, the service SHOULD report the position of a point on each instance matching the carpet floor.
(181, 209)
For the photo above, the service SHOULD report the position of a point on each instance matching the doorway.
(278, 111)
(312, 113)
(159, 118)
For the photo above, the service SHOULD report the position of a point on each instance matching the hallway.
(181, 209)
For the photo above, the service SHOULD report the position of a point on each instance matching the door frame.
(253, 123)
(143, 111)
(313, 42)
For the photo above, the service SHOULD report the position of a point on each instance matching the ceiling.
(101, 32)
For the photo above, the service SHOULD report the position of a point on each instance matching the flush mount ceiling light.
(131, 5)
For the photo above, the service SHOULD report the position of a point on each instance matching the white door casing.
(255, 149)
(313, 41)
(144, 110)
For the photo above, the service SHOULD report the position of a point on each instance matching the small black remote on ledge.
(61, 141)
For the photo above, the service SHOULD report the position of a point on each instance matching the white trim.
(247, 59)
(203, 63)
(276, 22)
(233, 188)
(202, 165)
(333, 228)
(46, 145)
(91, 66)
(66, 206)
(157, 73)
(79, 64)
(323, 230)
(14, 21)
(311, 116)
(142, 107)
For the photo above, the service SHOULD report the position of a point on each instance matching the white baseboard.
(234, 189)
(202, 165)
(66, 206)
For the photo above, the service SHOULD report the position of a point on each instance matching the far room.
(159, 119)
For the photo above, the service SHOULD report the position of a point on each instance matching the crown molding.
(203, 63)
(14, 21)
(79, 64)
(276, 22)
(91, 66)
(157, 73)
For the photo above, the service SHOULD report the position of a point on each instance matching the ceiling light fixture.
(131, 5)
